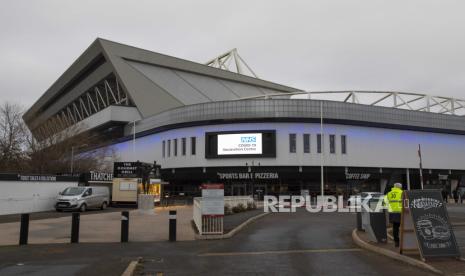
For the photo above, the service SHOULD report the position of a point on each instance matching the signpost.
(213, 200)
(210, 213)
(425, 225)
(125, 170)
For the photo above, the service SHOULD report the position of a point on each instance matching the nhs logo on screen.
(248, 139)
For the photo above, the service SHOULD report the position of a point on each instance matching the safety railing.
(212, 225)
(233, 201)
(197, 214)
(206, 224)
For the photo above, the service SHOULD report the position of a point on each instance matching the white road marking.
(298, 251)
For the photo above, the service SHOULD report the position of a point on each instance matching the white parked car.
(81, 198)
(356, 200)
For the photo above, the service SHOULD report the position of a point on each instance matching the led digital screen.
(239, 143)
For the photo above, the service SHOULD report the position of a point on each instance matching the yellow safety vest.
(394, 200)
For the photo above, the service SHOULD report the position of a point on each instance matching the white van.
(82, 198)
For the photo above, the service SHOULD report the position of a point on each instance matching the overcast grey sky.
(408, 45)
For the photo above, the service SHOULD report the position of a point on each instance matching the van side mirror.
(60, 193)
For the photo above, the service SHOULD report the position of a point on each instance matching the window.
(163, 149)
(292, 143)
(343, 144)
(72, 191)
(332, 143)
(306, 143)
(193, 144)
(128, 186)
(318, 143)
(169, 148)
(175, 147)
(183, 146)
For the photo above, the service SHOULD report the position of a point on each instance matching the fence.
(29, 196)
(233, 201)
(209, 225)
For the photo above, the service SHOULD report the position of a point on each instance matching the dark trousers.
(394, 218)
(395, 231)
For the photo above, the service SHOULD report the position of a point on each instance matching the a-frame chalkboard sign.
(425, 226)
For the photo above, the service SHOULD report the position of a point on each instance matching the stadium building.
(203, 123)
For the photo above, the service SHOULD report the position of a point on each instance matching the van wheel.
(83, 208)
(104, 206)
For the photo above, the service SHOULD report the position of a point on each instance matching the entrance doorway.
(259, 191)
(239, 189)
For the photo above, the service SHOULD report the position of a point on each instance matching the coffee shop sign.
(246, 175)
(357, 176)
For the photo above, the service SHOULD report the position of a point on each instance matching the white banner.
(212, 199)
(212, 193)
(213, 206)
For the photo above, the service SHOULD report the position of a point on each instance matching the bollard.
(124, 226)
(24, 229)
(359, 221)
(75, 228)
(172, 230)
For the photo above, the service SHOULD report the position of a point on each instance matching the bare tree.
(61, 153)
(66, 152)
(12, 138)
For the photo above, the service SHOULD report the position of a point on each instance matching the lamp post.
(251, 171)
(134, 140)
(421, 166)
(322, 188)
(72, 155)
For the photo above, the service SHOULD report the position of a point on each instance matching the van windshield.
(73, 191)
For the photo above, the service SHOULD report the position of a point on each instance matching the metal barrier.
(197, 214)
(206, 225)
(176, 201)
(212, 225)
(234, 201)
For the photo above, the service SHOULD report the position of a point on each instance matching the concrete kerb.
(232, 232)
(393, 255)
